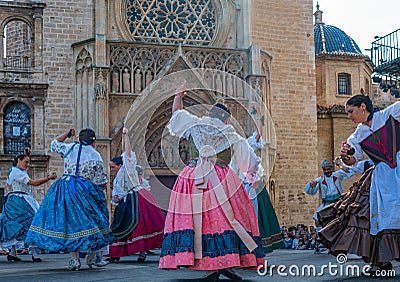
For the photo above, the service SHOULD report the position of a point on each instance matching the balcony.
(16, 69)
(385, 55)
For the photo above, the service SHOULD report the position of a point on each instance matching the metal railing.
(385, 54)
(17, 63)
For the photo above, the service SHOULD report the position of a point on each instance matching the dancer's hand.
(27, 151)
(181, 91)
(115, 199)
(313, 183)
(71, 132)
(52, 176)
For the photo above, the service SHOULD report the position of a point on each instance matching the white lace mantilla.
(211, 136)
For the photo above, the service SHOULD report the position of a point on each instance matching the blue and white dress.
(18, 210)
(73, 215)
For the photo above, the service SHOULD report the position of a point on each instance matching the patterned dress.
(364, 221)
(211, 222)
(138, 223)
(18, 210)
(73, 215)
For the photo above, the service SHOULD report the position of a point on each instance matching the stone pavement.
(54, 268)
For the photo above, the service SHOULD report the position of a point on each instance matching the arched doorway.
(164, 155)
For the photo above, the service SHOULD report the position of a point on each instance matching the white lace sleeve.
(146, 184)
(129, 164)
(180, 122)
(354, 143)
(247, 161)
(254, 144)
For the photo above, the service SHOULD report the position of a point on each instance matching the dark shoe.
(229, 273)
(387, 266)
(112, 259)
(141, 258)
(211, 277)
(12, 258)
(36, 259)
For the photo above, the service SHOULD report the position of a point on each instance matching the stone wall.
(285, 30)
(64, 23)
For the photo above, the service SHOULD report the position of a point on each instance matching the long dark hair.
(358, 99)
(117, 160)
(87, 136)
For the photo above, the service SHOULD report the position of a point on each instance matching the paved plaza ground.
(54, 268)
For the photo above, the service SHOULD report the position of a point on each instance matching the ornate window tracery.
(194, 22)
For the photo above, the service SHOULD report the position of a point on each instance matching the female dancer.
(20, 207)
(211, 224)
(270, 233)
(268, 224)
(73, 216)
(138, 221)
(363, 221)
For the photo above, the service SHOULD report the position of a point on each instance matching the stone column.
(101, 19)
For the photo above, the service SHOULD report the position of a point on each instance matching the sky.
(362, 20)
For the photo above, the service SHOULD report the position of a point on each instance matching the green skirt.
(267, 221)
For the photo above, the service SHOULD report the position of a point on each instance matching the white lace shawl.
(127, 177)
(211, 136)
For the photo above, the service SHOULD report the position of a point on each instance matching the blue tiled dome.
(332, 40)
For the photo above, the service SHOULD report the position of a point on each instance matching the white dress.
(385, 182)
(18, 179)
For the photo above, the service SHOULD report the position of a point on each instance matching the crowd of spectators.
(301, 237)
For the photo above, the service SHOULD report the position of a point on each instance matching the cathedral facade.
(98, 64)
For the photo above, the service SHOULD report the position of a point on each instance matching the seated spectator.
(296, 240)
(292, 232)
(300, 245)
(305, 238)
(287, 241)
(312, 242)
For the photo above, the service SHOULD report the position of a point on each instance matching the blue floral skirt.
(72, 217)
